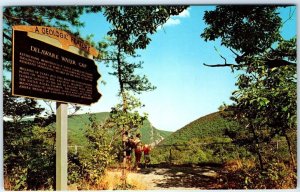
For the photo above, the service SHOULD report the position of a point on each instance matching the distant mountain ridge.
(209, 127)
(77, 125)
(191, 143)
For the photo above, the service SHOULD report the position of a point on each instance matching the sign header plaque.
(66, 39)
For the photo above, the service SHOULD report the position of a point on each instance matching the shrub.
(277, 175)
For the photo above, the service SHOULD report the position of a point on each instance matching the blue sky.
(173, 62)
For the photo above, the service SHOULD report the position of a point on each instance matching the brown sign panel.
(41, 70)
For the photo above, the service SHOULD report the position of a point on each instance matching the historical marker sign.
(47, 64)
(41, 70)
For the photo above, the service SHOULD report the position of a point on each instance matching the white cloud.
(172, 21)
(185, 13)
(175, 20)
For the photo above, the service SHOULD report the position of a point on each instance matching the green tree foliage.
(120, 121)
(29, 160)
(265, 102)
(248, 29)
(77, 125)
(210, 126)
(89, 164)
(28, 149)
(21, 142)
(131, 26)
(130, 29)
(201, 141)
(132, 120)
(60, 17)
(104, 143)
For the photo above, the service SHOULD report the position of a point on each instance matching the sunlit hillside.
(77, 125)
(208, 127)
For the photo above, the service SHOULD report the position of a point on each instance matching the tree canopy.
(265, 100)
(130, 30)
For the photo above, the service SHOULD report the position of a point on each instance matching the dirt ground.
(178, 178)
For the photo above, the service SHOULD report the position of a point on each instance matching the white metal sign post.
(61, 146)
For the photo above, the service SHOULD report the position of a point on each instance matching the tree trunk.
(257, 147)
(124, 157)
(123, 94)
(260, 157)
(290, 149)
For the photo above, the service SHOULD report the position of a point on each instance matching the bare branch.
(291, 13)
(234, 52)
(221, 65)
(221, 55)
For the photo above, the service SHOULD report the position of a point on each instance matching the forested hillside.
(77, 125)
(200, 141)
(210, 127)
(207, 140)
